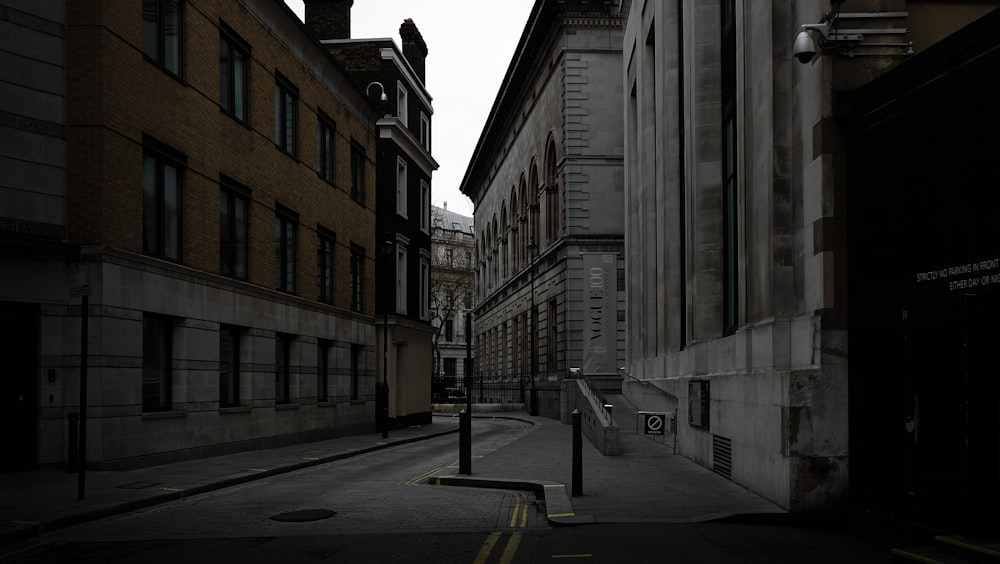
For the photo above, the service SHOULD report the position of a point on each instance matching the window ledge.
(236, 409)
(326, 404)
(359, 402)
(285, 406)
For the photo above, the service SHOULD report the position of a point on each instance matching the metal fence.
(498, 390)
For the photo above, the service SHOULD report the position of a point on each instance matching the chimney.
(414, 48)
(329, 19)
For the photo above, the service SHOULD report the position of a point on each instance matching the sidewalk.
(646, 484)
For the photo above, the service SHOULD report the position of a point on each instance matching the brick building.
(394, 80)
(220, 207)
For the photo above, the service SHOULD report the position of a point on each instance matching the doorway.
(18, 385)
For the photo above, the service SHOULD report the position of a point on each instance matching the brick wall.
(118, 96)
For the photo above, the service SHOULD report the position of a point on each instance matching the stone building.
(206, 182)
(395, 81)
(453, 284)
(765, 229)
(34, 255)
(546, 182)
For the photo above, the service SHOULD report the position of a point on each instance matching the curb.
(29, 530)
(558, 507)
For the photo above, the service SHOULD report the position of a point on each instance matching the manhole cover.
(303, 515)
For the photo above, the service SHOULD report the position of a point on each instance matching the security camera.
(805, 47)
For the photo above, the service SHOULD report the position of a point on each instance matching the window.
(553, 364)
(286, 101)
(355, 371)
(449, 330)
(425, 206)
(285, 223)
(234, 229)
(325, 246)
(401, 278)
(322, 370)
(324, 147)
(450, 367)
(229, 366)
(425, 131)
(401, 187)
(402, 104)
(425, 286)
(234, 66)
(730, 203)
(157, 352)
(357, 173)
(161, 201)
(162, 28)
(357, 277)
(282, 368)
(449, 257)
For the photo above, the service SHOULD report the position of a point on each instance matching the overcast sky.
(469, 46)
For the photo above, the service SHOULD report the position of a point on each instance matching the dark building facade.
(206, 188)
(394, 80)
(925, 286)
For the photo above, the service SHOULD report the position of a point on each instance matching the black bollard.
(464, 442)
(577, 454)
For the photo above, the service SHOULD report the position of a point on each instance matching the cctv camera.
(805, 48)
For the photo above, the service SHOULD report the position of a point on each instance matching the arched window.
(533, 209)
(554, 213)
(504, 234)
(515, 232)
(522, 217)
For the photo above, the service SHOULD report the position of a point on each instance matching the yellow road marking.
(508, 552)
(172, 489)
(517, 507)
(310, 458)
(415, 481)
(524, 516)
(562, 514)
(487, 548)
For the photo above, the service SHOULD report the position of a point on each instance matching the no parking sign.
(654, 423)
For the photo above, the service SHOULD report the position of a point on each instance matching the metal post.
(465, 442)
(81, 484)
(577, 454)
(468, 363)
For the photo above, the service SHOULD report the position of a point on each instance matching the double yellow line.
(518, 519)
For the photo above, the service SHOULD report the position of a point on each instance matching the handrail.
(595, 392)
(647, 382)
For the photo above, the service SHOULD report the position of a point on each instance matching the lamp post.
(387, 247)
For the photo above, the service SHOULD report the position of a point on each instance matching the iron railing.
(485, 390)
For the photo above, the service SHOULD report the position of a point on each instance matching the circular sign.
(654, 423)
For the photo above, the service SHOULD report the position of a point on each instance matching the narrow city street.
(377, 507)
(371, 507)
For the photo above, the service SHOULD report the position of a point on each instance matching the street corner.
(557, 502)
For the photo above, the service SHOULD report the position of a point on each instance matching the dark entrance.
(18, 385)
(923, 194)
(951, 350)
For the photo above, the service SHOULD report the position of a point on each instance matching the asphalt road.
(372, 508)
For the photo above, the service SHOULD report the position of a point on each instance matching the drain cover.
(304, 515)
